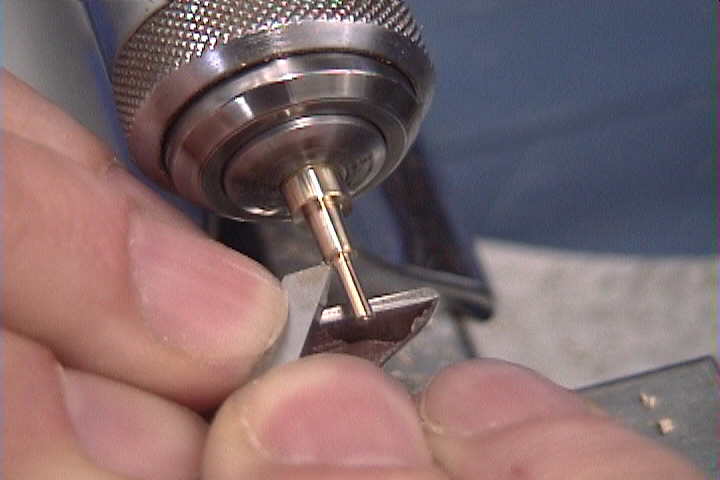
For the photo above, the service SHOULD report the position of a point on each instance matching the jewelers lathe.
(272, 109)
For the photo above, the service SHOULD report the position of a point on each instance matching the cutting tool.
(313, 327)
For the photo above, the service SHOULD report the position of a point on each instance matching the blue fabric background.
(582, 125)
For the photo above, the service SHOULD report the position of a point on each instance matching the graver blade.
(307, 294)
(397, 318)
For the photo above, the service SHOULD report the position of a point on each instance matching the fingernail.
(481, 396)
(346, 412)
(131, 432)
(202, 297)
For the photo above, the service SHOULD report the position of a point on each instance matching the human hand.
(121, 320)
(339, 418)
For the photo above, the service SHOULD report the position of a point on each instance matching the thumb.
(489, 419)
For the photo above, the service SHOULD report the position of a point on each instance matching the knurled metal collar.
(185, 30)
(199, 81)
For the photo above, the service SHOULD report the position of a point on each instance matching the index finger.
(107, 276)
(28, 114)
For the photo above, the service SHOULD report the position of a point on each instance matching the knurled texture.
(185, 29)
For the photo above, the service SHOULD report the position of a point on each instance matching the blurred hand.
(121, 321)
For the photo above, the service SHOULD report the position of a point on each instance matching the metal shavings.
(666, 425)
(648, 401)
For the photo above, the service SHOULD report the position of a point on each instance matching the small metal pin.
(317, 193)
(351, 284)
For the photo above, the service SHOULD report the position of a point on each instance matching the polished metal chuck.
(272, 109)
